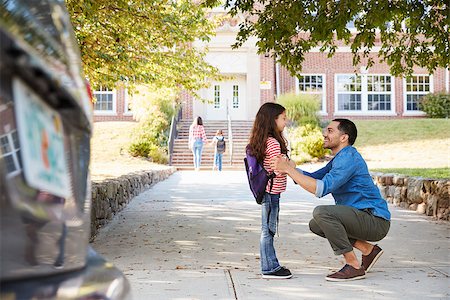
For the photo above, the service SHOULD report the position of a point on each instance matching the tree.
(144, 42)
(408, 32)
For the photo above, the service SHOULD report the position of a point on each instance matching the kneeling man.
(360, 214)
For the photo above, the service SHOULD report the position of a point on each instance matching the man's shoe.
(347, 273)
(282, 273)
(369, 260)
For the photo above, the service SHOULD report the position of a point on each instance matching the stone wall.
(110, 196)
(424, 195)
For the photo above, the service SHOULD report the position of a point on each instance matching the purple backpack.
(258, 177)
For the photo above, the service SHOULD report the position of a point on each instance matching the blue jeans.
(197, 151)
(269, 221)
(218, 161)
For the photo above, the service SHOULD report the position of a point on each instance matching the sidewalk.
(196, 236)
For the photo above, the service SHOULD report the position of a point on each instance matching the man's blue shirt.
(347, 178)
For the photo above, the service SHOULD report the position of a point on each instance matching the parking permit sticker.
(41, 137)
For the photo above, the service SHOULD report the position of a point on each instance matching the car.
(45, 131)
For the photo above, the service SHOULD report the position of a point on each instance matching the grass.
(439, 173)
(382, 132)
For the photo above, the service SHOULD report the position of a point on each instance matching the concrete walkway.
(196, 236)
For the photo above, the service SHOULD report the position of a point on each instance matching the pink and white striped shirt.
(273, 149)
(197, 132)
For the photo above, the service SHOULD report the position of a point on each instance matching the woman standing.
(197, 137)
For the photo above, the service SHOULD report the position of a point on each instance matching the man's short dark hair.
(348, 127)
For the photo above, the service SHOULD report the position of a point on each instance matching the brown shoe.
(369, 260)
(347, 273)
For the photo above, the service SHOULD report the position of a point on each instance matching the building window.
(417, 86)
(315, 85)
(364, 93)
(235, 96)
(379, 90)
(349, 92)
(10, 152)
(105, 100)
(217, 96)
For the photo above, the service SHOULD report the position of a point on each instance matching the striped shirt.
(197, 132)
(279, 182)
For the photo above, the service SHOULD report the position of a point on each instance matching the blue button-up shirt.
(347, 178)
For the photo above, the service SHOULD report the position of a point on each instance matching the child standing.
(219, 149)
(266, 142)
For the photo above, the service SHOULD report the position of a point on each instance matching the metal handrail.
(230, 137)
(173, 134)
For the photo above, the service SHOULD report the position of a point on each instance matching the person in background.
(267, 142)
(219, 149)
(197, 137)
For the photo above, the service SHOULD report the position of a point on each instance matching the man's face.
(332, 137)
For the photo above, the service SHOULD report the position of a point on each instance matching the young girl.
(266, 142)
(197, 137)
(219, 148)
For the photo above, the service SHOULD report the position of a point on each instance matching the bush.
(306, 143)
(301, 109)
(153, 107)
(436, 105)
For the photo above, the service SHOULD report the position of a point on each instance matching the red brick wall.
(187, 105)
(319, 63)
(267, 73)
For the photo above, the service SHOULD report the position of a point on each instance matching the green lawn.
(442, 173)
(379, 132)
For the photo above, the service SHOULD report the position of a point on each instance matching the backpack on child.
(258, 177)
(220, 146)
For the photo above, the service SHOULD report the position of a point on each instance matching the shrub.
(306, 143)
(436, 105)
(301, 109)
(153, 108)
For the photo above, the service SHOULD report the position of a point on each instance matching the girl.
(266, 142)
(197, 137)
(220, 146)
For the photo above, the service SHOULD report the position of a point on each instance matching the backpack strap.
(271, 177)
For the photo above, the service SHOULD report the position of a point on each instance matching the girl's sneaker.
(282, 273)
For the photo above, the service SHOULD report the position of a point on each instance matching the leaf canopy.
(404, 33)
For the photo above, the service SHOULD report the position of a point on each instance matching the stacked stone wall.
(110, 196)
(424, 195)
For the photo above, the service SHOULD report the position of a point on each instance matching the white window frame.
(364, 97)
(405, 94)
(14, 153)
(323, 111)
(126, 101)
(235, 102)
(113, 111)
(217, 100)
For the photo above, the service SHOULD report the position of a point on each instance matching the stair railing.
(230, 137)
(173, 134)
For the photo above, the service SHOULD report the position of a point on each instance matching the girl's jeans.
(270, 209)
(218, 161)
(197, 151)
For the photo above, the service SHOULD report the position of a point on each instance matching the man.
(360, 213)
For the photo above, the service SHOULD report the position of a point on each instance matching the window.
(364, 93)
(416, 87)
(105, 100)
(379, 92)
(349, 92)
(235, 96)
(217, 96)
(10, 151)
(315, 85)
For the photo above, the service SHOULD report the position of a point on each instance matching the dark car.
(45, 131)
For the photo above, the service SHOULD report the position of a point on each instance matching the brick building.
(344, 90)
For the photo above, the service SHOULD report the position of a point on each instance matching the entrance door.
(227, 96)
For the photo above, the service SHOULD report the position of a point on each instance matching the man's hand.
(280, 164)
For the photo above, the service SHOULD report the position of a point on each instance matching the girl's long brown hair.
(265, 127)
